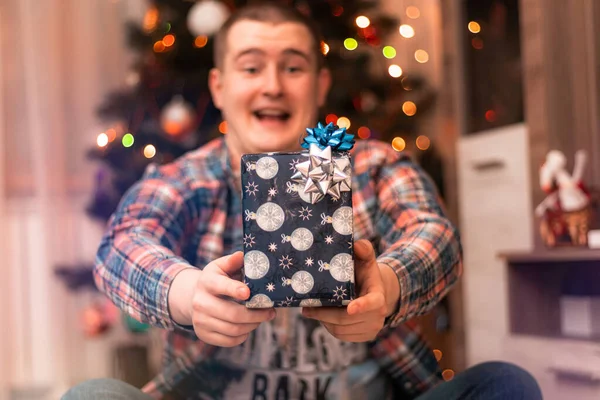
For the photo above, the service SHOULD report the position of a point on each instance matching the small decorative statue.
(566, 211)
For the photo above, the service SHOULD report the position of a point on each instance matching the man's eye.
(251, 70)
(293, 69)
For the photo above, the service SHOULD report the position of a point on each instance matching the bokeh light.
(128, 140)
(490, 115)
(149, 151)
(364, 132)
(407, 31)
(111, 134)
(337, 11)
(409, 108)
(421, 56)
(362, 21)
(389, 52)
(343, 122)
(223, 127)
(398, 143)
(169, 40)
(102, 139)
(324, 48)
(395, 71)
(474, 27)
(350, 44)
(201, 41)
(331, 119)
(413, 12)
(438, 354)
(477, 43)
(159, 46)
(423, 142)
(448, 374)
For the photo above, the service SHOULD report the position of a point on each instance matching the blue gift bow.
(330, 135)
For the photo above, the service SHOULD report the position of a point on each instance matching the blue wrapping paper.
(297, 241)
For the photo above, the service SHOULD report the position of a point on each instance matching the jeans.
(487, 381)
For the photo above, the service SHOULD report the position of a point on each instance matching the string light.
(223, 127)
(398, 144)
(343, 122)
(150, 20)
(421, 56)
(490, 116)
(364, 132)
(423, 143)
(111, 134)
(338, 10)
(201, 41)
(407, 31)
(477, 43)
(438, 354)
(169, 40)
(389, 52)
(102, 140)
(474, 27)
(127, 140)
(413, 12)
(362, 21)
(331, 119)
(395, 71)
(324, 48)
(350, 44)
(409, 108)
(159, 46)
(448, 374)
(149, 151)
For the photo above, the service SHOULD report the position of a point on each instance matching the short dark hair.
(267, 11)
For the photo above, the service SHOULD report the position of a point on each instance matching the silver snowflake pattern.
(310, 303)
(270, 287)
(272, 192)
(302, 239)
(342, 267)
(270, 217)
(249, 240)
(329, 239)
(251, 188)
(302, 282)
(267, 167)
(256, 264)
(287, 302)
(305, 213)
(339, 293)
(286, 262)
(309, 262)
(260, 301)
(272, 247)
(342, 220)
(293, 165)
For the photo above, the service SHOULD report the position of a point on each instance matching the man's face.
(269, 87)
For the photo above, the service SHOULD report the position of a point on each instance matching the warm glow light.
(448, 374)
(477, 43)
(223, 127)
(398, 144)
(338, 10)
(350, 44)
(423, 142)
(389, 52)
(407, 31)
(409, 108)
(421, 56)
(102, 140)
(324, 48)
(150, 19)
(331, 119)
(169, 40)
(395, 71)
(413, 12)
(362, 21)
(159, 46)
(406, 84)
(343, 122)
(364, 132)
(127, 140)
(149, 151)
(112, 134)
(490, 116)
(200, 41)
(474, 27)
(438, 354)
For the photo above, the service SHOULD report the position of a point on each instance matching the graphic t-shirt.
(293, 357)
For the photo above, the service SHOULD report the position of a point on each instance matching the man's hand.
(364, 317)
(209, 303)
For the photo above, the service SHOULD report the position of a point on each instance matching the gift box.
(298, 224)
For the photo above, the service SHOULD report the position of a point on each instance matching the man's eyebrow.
(251, 50)
(288, 51)
(292, 51)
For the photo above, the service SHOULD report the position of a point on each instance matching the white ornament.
(341, 267)
(311, 303)
(302, 239)
(342, 220)
(260, 301)
(302, 282)
(270, 217)
(267, 167)
(256, 264)
(206, 17)
(177, 117)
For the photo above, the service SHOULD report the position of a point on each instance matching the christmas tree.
(165, 109)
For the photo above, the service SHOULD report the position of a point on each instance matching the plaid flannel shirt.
(189, 213)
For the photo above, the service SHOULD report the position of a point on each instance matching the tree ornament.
(206, 17)
(177, 117)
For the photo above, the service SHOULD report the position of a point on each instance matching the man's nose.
(273, 86)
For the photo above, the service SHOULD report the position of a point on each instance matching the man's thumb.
(363, 251)
(228, 265)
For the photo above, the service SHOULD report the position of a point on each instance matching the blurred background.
(497, 99)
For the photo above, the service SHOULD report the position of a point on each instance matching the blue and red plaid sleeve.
(139, 255)
(416, 239)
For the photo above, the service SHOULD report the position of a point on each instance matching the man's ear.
(324, 82)
(215, 84)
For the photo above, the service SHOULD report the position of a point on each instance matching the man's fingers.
(332, 315)
(363, 250)
(227, 328)
(218, 339)
(371, 302)
(221, 285)
(229, 311)
(227, 265)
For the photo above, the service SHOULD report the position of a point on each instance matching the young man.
(171, 253)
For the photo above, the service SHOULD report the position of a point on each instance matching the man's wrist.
(181, 294)
(392, 288)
